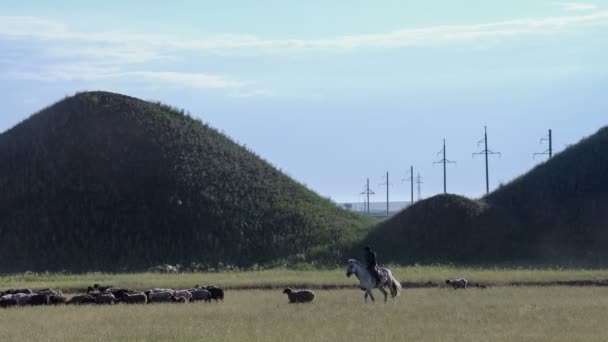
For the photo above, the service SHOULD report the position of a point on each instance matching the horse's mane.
(354, 261)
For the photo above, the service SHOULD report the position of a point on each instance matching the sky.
(333, 93)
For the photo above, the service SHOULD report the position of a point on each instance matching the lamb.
(301, 296)
(82, 299)
(135, 298)
(159, 296)
(200, 294)
(459, 283)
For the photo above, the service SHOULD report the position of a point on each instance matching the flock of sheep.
(97, 294)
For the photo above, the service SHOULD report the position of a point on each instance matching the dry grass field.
(438, 314)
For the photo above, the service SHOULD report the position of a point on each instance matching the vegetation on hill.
(107, 182)
(557, 213)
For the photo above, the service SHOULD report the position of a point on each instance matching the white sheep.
(300, 296)
(459, 283)
(160, 296)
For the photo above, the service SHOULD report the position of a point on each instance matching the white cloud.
(84, 72)
(575, 6)
(151, 46)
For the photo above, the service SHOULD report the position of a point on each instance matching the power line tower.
(367, 192)
(418, 182)
(387, 185)
(411, 179)
(549, 151)
(486, 152)
(444, 161)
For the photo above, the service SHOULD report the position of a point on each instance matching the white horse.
(367, 282)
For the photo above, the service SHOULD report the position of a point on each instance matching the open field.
(495, 314)
(279, 278)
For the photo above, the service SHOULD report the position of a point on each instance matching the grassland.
(495, 314)
(278, 278)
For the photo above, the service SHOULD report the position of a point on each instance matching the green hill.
(557, 213)
(106, 182)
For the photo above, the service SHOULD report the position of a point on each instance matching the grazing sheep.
(216, 293)
(57, 299)
(105, 298)
(23, 299)
(16, 291)
(81, 299)
(160, 296)
(301, 296)
(179, 299)
(183, 293)
(200, 294)
(7, 301)
(459, 283)
(39, 299)
(135, 298)
(50, 292)
(101, 288)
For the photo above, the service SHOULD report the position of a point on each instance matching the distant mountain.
(556, 213)
(104, 181)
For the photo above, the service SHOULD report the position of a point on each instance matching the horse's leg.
(365, 296)
(384, 293)
(371, 295)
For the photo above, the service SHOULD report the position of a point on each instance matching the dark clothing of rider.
(372, 263)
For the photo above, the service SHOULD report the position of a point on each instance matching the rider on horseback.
(372, 263)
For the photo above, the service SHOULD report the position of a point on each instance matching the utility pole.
(418, 182)
(548, 151)
(411, 179)
(486, 152)
(367, 192)
(387, 185)
(444, 161)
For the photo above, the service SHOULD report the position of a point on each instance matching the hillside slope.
(556, 213)
(104, 181)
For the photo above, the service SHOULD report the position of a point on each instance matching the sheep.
(179, 299)
(200, 294)
(57, 299)
(183, 294)
(135, 298)
(39, 299)
(301, 296)
(216, 293)
(7, 301)
(50, 292)
(160, 296)
(101, 288)
(16, 291)
(459, 283)
(82, 299)
(105, 298)
(22, 298)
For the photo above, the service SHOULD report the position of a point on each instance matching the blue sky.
(332, 92)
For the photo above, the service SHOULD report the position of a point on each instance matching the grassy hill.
(557, 213)
(104, 181)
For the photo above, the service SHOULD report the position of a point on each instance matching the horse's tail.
(395, 286)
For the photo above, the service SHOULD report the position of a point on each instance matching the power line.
(387, 185)
(444, 161)
(486, 152)
(367, 192)
(549, 151)
(411, 179)
(418, 182)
